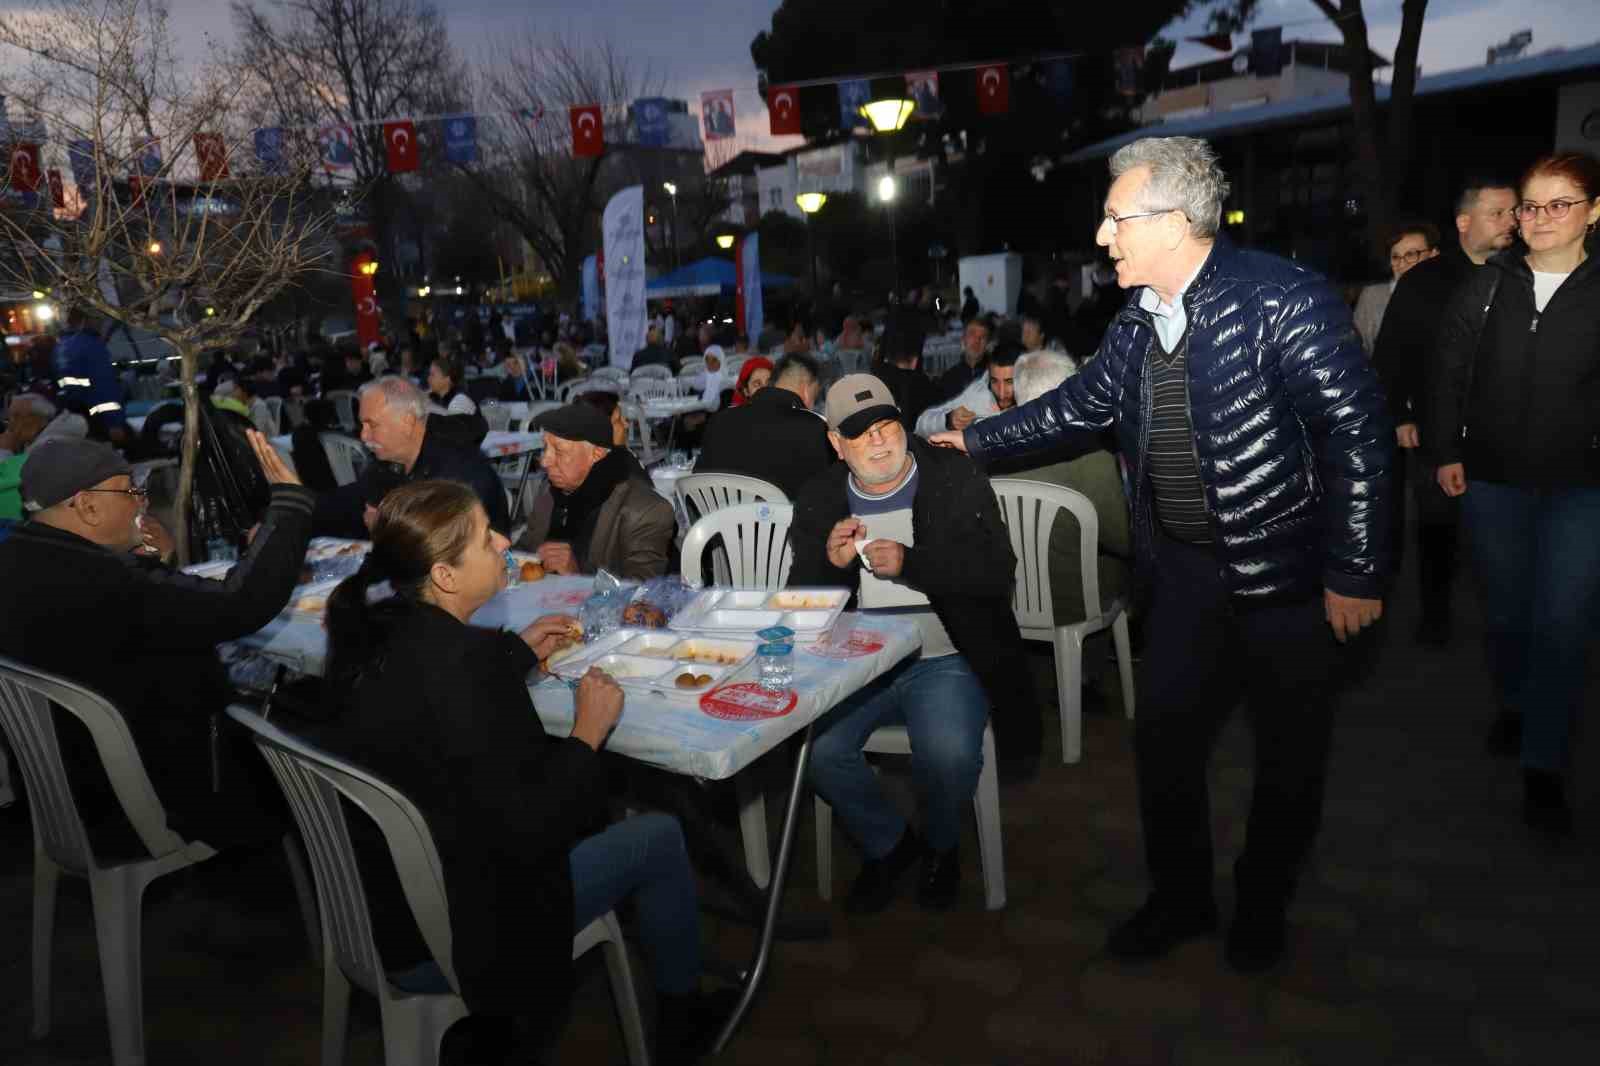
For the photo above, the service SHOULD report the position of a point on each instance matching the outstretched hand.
(277, 471)
(950, 438)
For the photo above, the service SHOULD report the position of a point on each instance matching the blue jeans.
(943, 707)
(1538, 555)
(644, 857)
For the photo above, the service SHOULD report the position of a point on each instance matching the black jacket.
(1410, 330)
(773, 437)
(914, 392)
(953, 381)
(962, 561)
(445, 456)
(1516, 396)
(145, 637)
(1292, 435)
(445, 717)
(654, 355)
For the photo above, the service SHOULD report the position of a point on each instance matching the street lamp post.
(886, 195)
(811, 203)
(672, 191)
(889, 115)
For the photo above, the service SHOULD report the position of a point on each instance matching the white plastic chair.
(344, 406)
(653, 387)
(617, 376)
(275, 408)
(413, 1023)
(1030, 509)
(61, 845)
(347, 457)
(653, 370)
(894, 740)
(696, 365)
(498, 415)
(537, 408)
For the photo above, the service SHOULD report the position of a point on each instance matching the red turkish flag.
(588, 132)
(783, 108)
(994, 90)
(58, 195)
(136, 188)
(400, 142)
(212, 152)
(24, 173)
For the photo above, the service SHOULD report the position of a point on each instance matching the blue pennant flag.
(461, 139)
(269, 149)
(1056, 79)
(650, 118)
(80, 155)
(852, 94)
(147, 156)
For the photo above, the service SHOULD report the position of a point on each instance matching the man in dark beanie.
(81, 604)
(598, 511)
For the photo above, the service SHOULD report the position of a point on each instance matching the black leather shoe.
(1157, 928)
(1544, 803)
(1434, 632)
(941, 879)
(1505, 735)
(1256, 940)
(874, 887)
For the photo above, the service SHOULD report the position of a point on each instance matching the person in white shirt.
(1413, 242)
(988, 395)
(26, 418)
(444, 397)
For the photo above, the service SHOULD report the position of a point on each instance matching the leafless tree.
(189, 256)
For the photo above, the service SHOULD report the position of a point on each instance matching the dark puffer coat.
(1293, 439)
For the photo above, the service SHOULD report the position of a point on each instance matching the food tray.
(574, 661)
(667, 683)
(216, 571)
(329, 548)
(742, 612)
(658, 654)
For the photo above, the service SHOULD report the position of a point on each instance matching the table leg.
(522, 484)
(780, 878)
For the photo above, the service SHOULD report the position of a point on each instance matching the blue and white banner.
(589, 289)
(749, 287)
(337, 144)
(146, 156)
(269, 149)
(852, 95)
(622, 228)
(651, 122)
(80, 156)
(461, 139)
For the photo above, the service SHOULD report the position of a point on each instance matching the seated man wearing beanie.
(929, 529)
(81, 605)
(598, 510)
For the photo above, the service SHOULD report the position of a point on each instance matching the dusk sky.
(706, 44)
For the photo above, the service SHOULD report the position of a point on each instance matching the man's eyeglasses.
(1409, 257)
(1117, 220)
(1527, 211)
(140, 494)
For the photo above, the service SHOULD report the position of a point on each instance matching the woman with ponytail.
(440, 709)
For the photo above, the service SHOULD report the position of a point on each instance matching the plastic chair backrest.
(700, 494)
(614, 374)
(275, 406)
(653, 370)
(756, 539)
(313, 781)
(1030, 509)
(654, 388)
(347, 457)
(537, 408)
(696, 365)
(496, 414)
(344, 405)
(25, 698)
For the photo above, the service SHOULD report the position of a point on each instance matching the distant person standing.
(86, 382)
(969, 305)
(1413, 242)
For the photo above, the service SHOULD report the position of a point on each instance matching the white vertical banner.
(622, 228)
(750, 287)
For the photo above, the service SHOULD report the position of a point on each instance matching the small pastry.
(530, 571)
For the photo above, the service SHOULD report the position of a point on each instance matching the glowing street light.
(672, 191)
(369, 268)
(887, 189)
(811, 203)
(44, 312)
(155, 248)
(888, 115)
(725, 241)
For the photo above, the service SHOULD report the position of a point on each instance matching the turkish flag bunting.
(994, 90)
(400, 142)
(213, 155)
(588, 132)
(783, 108)
(24, 172)
(58, 195)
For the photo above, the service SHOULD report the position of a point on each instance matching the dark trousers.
(1438, 537)
(1202, 655)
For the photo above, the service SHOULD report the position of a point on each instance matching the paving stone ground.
(1430, 929)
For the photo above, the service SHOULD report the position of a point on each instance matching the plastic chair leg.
(1119, 634)
(624, 994)
(118, 894)
(335, 1006)
(303, 893)
(824, 817)
(1069, 692)
(46, 878)
(991, 847)
(753, 828)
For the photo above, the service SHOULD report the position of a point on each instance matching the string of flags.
(457, 134)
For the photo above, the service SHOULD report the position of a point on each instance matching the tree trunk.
(1370, 176)
(1402, 95)
(190, 364)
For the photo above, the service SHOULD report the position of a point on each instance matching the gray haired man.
(1261, 449)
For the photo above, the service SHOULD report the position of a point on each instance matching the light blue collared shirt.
(1170, 319)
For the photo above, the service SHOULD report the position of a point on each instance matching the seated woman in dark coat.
(440, 709)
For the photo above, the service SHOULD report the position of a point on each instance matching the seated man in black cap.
(81, 604)
(599, 510)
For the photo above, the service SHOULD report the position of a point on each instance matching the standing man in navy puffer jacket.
(1262, 451)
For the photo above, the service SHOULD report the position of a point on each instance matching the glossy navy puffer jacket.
(1293, 438)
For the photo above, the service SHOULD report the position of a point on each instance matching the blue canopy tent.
(706, 277)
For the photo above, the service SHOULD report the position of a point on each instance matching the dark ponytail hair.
(418, 525)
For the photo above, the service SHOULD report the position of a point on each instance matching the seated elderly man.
(26, 417)
(988, 395)
(33, 421)
(936, 552)
(409, 445)
(1096, 475)
(775, 437)
(598, 510)
(84, 603)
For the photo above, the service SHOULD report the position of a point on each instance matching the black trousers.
(1202, 655)
(1438, 521)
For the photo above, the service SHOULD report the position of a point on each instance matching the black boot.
(1544, 803)
(1505, 735)
(874, 887)
(1158, 927)
(941, 879)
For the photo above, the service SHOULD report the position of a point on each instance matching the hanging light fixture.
(889, 114)
(811, 202)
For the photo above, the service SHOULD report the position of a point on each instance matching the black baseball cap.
(577, 421)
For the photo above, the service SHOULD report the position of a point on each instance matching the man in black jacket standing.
(1484, 225)
(775, 437)
(81, 604)
(917, 532)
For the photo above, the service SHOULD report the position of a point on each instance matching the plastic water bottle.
(513, 570)
(775, 666)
